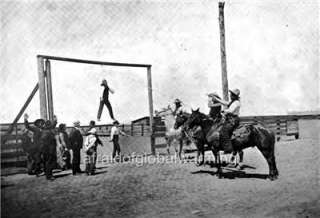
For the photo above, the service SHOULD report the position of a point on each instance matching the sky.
(272, 52)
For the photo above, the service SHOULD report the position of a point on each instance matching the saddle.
(242, 133)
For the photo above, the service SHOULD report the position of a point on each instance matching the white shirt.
(234, 108)
(180, 110)
(90, 141)
(114, 131)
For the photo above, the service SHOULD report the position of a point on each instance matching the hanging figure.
(105, 100)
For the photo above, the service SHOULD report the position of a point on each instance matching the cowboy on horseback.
(178, 107)
(231, 122)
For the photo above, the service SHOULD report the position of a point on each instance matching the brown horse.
(244, 136)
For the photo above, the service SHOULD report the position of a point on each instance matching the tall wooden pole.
(42, 89)
(151, 109)
(223, 52)
(49, 89)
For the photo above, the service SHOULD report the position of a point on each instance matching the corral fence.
(12, 154)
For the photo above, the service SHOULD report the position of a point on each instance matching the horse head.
(180, 120)
(195, 118)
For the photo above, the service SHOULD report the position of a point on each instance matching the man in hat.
(90, 146)
(105, 99)
(215, 106)
(76, 141)
(37, 145)
(92, 125)
(231, 114)
(63, 153)
(114, 137)
(178, 109)
(49, 142)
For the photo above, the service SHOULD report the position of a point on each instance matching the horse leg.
(180, 147)
(168, 145)
(218, 163)
(219, 166)
(200, 151)
(270, 158)
(240, 165)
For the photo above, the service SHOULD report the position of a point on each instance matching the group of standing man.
(49, 144)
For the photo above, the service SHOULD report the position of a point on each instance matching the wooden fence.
(12, 154)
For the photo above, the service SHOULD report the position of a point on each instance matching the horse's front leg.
(200, 151)
(197, 158)
(218, 164)
(240, 166)
(180, 147)
(168, 142)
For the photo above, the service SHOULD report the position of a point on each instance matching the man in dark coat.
(76, 141)
(35, 155)
(48, 140)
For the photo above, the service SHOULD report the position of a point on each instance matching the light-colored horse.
(172, 135)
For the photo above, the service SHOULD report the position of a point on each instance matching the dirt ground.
(174, 189)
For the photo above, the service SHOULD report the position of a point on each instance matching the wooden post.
(152, 140)
(34, 91)
(223, 52)
(49, 89)
(42, 90)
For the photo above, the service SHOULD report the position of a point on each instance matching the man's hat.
(235, 92)
(62, 126)
(39, 123)
(177, 100)
(213, 94)
(47, 124)
(76, 123)
(115, 122)
(104, 82)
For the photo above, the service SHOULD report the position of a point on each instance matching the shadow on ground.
(232, 174)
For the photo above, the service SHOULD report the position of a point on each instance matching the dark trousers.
(116, 146)
(90, 163)
(34, 163)
(230, 124)
(107, 103)
(76, 161)
(50, 163)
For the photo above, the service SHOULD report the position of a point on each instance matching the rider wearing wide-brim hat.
(214, 105)
(231, 118)
(178, 107)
